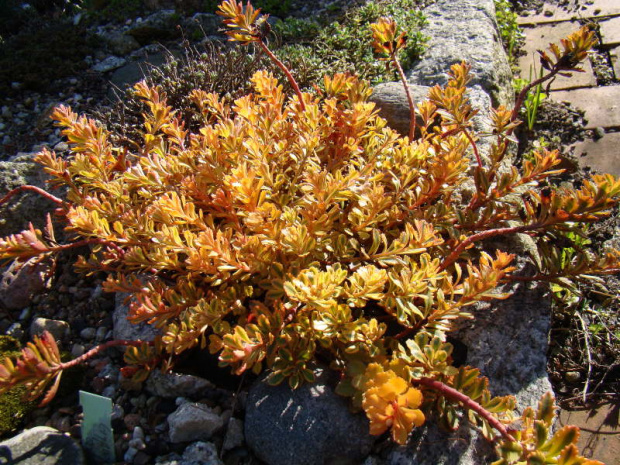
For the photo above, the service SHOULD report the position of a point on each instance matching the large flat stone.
(610, 31)
(601, 104)
(41, 445)
(465, 31)
(615, 60)
(576, 10)
(601, 155)
(600, 432)
(539, 38)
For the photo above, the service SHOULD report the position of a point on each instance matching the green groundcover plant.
(287, 229)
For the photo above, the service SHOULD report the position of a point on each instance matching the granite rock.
(171, 385)
(18, 284)
(307, 426)
(26, 207)
(124, 329)
(41, 445)
(193, 422)
(464, 31)
(58, 329)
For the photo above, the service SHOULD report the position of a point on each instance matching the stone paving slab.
(610, 31)
(555, 13)
(539, 38)
(601, 155)
(600, 434)
(601, 104)
(615, 60)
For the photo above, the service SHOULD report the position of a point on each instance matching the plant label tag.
(97, 437)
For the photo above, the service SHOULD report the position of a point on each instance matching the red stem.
(474, 146)
(286, 71)
(36, 189)
(450, 259)
(93, 240)
(468, 402)
(403, 79)
(95, 350)
(523, 94)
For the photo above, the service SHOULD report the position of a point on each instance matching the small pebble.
(130, 454)
(109, 391)
(6, 140)
(117, 412)
(138, 433)
(25, 314)
(15, 330)
(77, 350)
(599, 133)
(73, 81)
(132, 420)
(101, 333)
(137, 444)
(88, 333)
(572, 376)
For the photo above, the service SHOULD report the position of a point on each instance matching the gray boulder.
(507, 340)
(465, 30)
(27, 206)
(124, 329)
(391, 101)
(135, 71)
(109, 64)
(203, 24)
(161, 25)
(311, 425)
(41, 445)
(121, 44)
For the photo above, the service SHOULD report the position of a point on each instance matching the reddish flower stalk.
(412, 124)
(468, 402)
(286, 71)
(450, 259)
(96, 350)
(36, 189)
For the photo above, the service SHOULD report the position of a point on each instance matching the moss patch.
(12, 407)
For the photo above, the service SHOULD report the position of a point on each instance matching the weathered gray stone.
(234, 434)
(122, 44)
(307, 426)
(507, 340)
(204, 23)
(41, 445)
(58, 329)
(19, 284)
(464, 31)
(193, 422)
(135, 71)
(158, 26)
(204, 453)
(109, 64)
(171, 385)
(124, 329)
(24, 207)
(391, 100)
